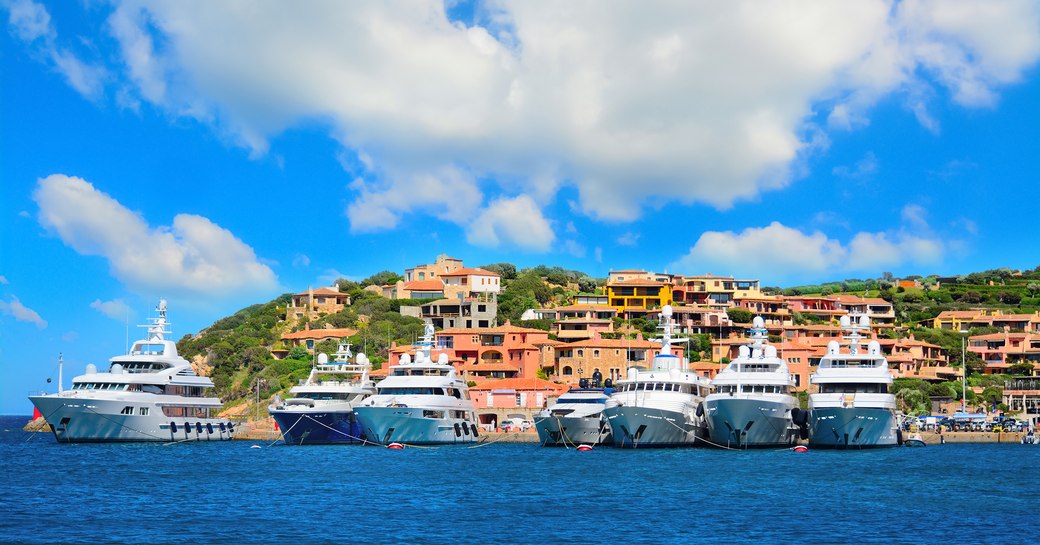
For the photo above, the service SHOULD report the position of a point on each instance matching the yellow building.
(638, 293)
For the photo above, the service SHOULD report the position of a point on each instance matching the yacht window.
(127, 410)
(143, 411)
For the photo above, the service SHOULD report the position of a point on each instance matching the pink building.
(518, 393)
(505, 351)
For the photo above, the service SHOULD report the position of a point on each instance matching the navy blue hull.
(318, 428)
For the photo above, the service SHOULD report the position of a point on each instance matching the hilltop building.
(314, 303)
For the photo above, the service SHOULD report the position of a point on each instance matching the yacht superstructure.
(853, 408)
(575, 419)
(657, 407)
(150, 394)
(321, 411)
(752, 405)
(422, 401)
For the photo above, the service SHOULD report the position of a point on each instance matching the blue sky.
(220, 154)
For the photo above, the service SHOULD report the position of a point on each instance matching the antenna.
(61, 361)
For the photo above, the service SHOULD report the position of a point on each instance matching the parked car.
(516, 422)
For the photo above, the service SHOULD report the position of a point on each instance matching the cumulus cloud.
(516, 221)
(22, 313)
(194, 256)
(781, 252)
(627, 103)
(116, 309)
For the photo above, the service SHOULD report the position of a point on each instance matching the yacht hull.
(84, 420)
(852, 428)
(647, 427)
(385, 425)
(318, 427)
(560, 431)
(750, 423)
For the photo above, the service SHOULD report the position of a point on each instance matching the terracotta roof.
(338, 333)
(959, 314)
(324, 291)
(499, 366)
(468, 271)
(613, 343)
(549, 342)
(508, 328)
(517, 384)
(636, 282)
(424, 285)
(597, 308)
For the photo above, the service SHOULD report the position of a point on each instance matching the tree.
(382, 278)
(970, 297)
(1033, 288)
(1022, 369)
(1009, 298)
(739, 315)
(299, 353)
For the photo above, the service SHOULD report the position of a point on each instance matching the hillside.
(236, 351)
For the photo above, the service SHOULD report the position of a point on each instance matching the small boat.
(1029, 438)
(914, 440)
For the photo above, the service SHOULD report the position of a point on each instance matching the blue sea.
(201, 493)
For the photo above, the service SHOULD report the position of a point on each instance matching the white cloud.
(193, 257)
(32, 24)
(629, 104)
(516, 221)
(116, 309)
(3, 280)
(629, 239)
(574, 248)
(916, 216)
(598, 253)
(865, 168)
(22, 313)
(301, 260)
(780, 252)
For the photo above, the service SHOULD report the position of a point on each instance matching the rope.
(282, 433)
(46, 419)
(698, 438)
(486, 443)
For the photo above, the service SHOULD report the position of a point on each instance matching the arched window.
(567, 370)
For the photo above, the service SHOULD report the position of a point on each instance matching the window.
(595, 353)
(127, 410)
(143, 411)
(567, 370)
(581, 353)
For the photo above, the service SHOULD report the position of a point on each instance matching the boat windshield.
(411, 391)
(853, 388)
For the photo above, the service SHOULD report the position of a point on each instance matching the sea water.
(229, 492)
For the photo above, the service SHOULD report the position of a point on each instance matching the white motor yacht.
(752, 405)
(853, 408)
(575, 419)
(150, 394)
(657, 407)
(422, 401)
(321, 411)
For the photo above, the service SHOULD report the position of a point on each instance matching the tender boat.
(575, 419)
(658, 407)
(752, 405)
(853, 408)
(150, 394)
(421, 402)
(322, 411)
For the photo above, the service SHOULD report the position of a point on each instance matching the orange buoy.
(801, 448)
(395, 446)
(583, 448)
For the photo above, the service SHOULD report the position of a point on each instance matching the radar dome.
(116, 369)
(323, 358)
(362, 359)
(91, 368)
(844, 321)
(745, 352)
(406, 359)
(873, 347)
(633, 373)
(864, 320)
(666, 310)
(758, 322)
(442, 359)
(832, 347)
(770, 351)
